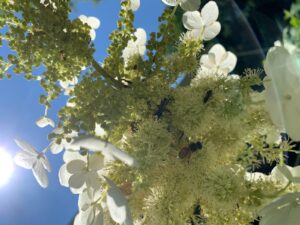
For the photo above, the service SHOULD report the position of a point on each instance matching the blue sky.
(22, 200)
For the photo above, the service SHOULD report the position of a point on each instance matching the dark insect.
(186, 152)
(207, 96)
(134, 127)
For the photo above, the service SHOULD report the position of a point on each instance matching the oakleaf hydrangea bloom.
(45, 121)
(282, 92)
(186, 5)
(90, 211)
(137, 47)
(85, 172)
(203, 25)
(282, 210)
(218, 62)
(93, 22)
(29, 158)
(117, 204)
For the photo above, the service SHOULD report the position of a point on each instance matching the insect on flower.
(186, 152)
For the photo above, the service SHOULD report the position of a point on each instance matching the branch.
(100, 70)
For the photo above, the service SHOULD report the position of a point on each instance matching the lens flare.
(6, 167)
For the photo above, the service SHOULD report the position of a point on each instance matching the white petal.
(76, 166)
(170, 2)
(106, 148)
(230, 62)
(77, 180)
(99, 219)
(210, 12)
(219, 52)
(44, 121)
(44, 160)
(96, 162)
(77, 220)
(40, 174)
(64, 175)
(134, 5)
(26, 147)
(194, 34)
(25, 160)
(87, 217)
(208, 61)
(192, 20)
(83, 18)
(116, 203)
(190, 5)
(84, 201)
(93, 22)
(211, 31)
(56, 148)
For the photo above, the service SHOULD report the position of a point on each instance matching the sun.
(6, 167)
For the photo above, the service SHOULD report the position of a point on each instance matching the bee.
(187, 151)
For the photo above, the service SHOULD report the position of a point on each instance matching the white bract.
(106, 148)
(117, 204)
(90, 211)
(203, 25)
(134, 5)
(29, 158)
(68, 85)
(283, 210)
(187, 5)
(217, 63)
(92, 22)
(85, 171)
(64, 175)
(282, 91)
(45, 121)
(137, 47)
(64, 144)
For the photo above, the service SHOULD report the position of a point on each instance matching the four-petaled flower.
(29, 158)
(203, 25)
(90, 211)
(92, 22)
(44, 121)
(85, 171)
(218, 62)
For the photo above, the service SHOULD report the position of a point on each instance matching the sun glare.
(6, 167)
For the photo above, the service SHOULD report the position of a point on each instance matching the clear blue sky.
(22, 200)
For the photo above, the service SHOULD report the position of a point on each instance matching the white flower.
(282, 91)
(29, 158)
(217, 62)
(117, 204)
(283, 210)
(106, 148)
(64, 175)
(187, 5)
(92, 22)
(44, 121)
(90, 211)
(137, 47)
(203, 25)
(64, 144)
(85, 171)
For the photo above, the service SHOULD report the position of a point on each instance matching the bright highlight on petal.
(6, 167)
